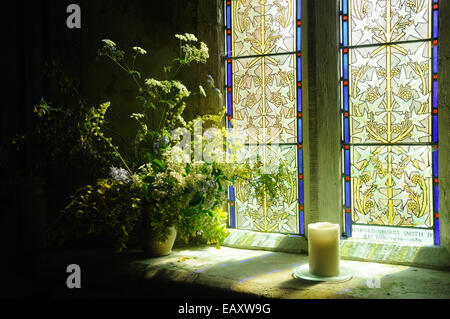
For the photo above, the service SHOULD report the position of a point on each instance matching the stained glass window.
(389, 110)
(264, 89)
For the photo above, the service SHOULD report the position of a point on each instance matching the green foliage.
(108, 208)
(59, 137)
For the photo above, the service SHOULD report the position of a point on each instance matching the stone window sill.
(207, 272)
(351, 249)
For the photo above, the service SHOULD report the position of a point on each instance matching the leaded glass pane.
(392, 185)
(265, 97)
(267, 214)
(263, 27)
(406, 20)
(400, 117)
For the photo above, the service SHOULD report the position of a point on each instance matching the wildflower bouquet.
(160, 183)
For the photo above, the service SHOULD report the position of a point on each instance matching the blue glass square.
(345, 34)
(437, 236)
(348, 225)
(302, 223)
(300, 191)
(347, 162)
(299, 131)
(347, 194)
(299, 99)
(300, 161)
(435, 163)
(436, 197)
(345, 90)
(435, 24)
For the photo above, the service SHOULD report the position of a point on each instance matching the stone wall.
(35, 32)
(444, 123)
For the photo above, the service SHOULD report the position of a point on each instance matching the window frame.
(345, 50)
(228, 89)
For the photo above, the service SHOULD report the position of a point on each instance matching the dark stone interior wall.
(35, 32)
(42, 35)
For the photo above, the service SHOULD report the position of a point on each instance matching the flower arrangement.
(159, 183)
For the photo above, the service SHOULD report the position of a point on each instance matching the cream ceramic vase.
(151, 245)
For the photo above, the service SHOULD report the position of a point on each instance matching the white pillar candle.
(323, 249)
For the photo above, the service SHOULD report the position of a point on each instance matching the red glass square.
(229, 60)
(435, 111)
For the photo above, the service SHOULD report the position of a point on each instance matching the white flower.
(153, 83)
(120, 174)
(177, 155)
(139, 50)
(183, 91)
(181, 37)
(179, 178)
(147, 169)
(190, 37)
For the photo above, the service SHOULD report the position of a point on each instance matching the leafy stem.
(126, 69)
(116, 151)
